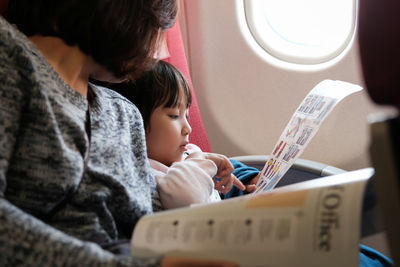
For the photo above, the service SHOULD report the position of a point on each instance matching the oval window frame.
(279, 48)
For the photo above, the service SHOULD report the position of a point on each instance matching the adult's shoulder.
(106, 94)
(115, 103)
(7, 37)
(17, 52)
(17, 61)
(9, 34)
(5, 26)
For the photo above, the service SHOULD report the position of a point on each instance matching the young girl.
(184, 174)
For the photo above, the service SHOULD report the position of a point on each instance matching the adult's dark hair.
(121, 35)
(161, 86)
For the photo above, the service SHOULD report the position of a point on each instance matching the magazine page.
(301, 128)
(314, 222)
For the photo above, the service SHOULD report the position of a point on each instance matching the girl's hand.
(251, 185)
(224, 171)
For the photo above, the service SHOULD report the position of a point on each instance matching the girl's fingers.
(250, 188)
(225, 184)
(238, 183)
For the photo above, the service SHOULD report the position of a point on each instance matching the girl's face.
(168, 133)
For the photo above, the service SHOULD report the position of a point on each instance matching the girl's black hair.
(121, 35)
(161, 86)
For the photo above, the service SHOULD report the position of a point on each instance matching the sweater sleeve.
(28, 241)
(186, 182)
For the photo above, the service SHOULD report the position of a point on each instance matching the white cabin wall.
(247, 101)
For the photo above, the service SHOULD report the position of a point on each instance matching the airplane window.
(302, 31)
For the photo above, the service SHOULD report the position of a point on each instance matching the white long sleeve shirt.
(186, 182)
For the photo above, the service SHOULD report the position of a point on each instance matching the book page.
(301, 128)
(289, 226)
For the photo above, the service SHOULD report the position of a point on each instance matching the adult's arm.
(25, 240)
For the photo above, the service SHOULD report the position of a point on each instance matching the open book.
(313, 223)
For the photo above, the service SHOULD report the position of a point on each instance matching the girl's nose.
(186, 130)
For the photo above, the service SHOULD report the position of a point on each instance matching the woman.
(74, 177)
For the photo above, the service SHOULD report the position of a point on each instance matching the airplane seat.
(177, 57)
(379, 40)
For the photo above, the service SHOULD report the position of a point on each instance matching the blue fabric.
(244, 173)
(369, 257)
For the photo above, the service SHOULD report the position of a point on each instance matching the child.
(184, 174)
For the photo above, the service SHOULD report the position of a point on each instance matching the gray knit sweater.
(42, 148)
